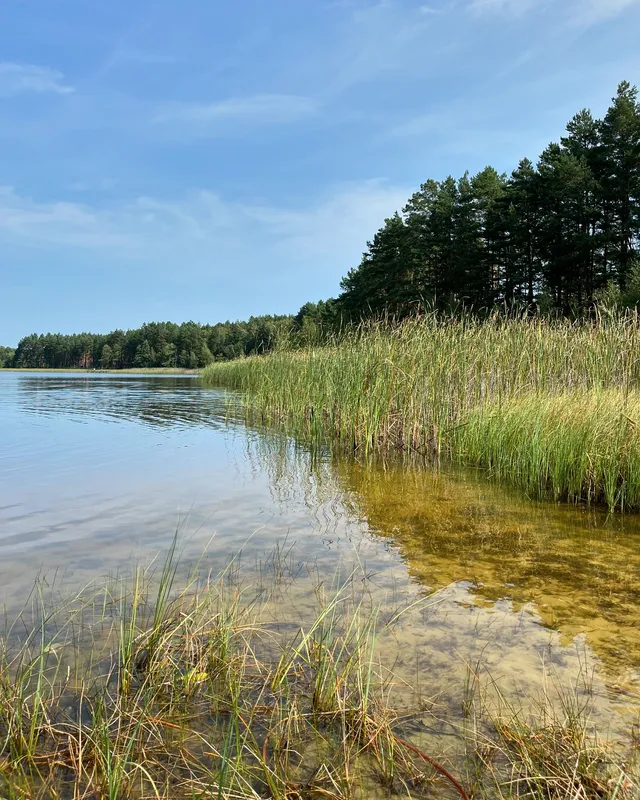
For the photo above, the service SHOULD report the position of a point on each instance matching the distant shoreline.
(132, 371)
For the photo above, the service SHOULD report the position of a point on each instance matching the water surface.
(97, 472)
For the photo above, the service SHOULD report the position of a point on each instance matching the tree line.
(555, 235)
(155, 344)
(165, 344)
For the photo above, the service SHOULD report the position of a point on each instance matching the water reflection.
(163, 400)
(575, 570)
(97, 471)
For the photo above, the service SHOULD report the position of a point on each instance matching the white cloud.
(580, 13)
(513, 7)
(203, 231)
(336, 228)
(22, 78)
(27, 221)
(590, 12)
(235, 114)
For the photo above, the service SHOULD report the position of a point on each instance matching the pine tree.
(144, 355)
(621, 181)
(384, 283)
(106, 358)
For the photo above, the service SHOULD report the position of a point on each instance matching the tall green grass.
(193, 692)
(548, 405)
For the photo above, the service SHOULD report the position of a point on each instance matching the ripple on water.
(96, 472)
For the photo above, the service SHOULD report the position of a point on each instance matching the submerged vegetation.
(194, 692)
(552, 406)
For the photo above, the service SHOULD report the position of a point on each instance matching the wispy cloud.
(234, 114)
(512, 7)
(421, 125)
(203, 231)
(332, 232)
(378, 38)
(18, 79)
(590, 12)
(429, 10)
(580, 13)
(124, 55)
(27, 221)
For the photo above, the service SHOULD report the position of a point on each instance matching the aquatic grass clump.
(192, 694)
(553, 750)
(437, 386)
(579, 446)
(550, 752)
(560, 759)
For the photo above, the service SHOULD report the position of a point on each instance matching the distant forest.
(165, 344)
(556, 237)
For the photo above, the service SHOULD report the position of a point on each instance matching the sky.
(212, 160)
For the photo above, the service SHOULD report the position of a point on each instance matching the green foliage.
(155, 344)
(612, 298)
(165, 344)
(6, 357)
(144, 356)
(630, 297)
(550, 235)
(106, 357)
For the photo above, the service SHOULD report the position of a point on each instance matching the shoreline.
(547, 406)
(130, 371)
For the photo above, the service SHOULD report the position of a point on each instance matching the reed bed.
(507, 394)
(190, 692)
(580, 445)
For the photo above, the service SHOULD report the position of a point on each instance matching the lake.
(97, 472)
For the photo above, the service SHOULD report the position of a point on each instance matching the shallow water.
(97, 472)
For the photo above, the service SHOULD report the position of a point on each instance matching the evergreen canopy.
(552, 234)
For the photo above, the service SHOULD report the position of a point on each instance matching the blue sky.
(211, 160)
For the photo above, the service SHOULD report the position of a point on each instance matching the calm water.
(96, 473)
